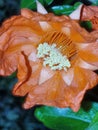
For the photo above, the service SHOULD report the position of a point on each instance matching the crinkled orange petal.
(35, 16)
(15, 33)
(8, 63)
(28, 76)
(83, 64)
(79, 34)
(49, 93)
(74, 32)
(94, 21)
(81, 79)
(90, 53)
(90, 13)
(58, 23)
(80, 84)
(92, 77)
(55, 92)
(24, 72)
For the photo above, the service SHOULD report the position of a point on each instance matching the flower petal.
(15, 33)
(68, 76)
(40, 8)
(82, 81)
(24, 72)
(8, 63)
(77, 13)
(78, 34)
(90, 13)
(54, 92)
(28, 80)
(81, 63)
(46, 73)
(49, 93)
(45, 26)
(90, 53)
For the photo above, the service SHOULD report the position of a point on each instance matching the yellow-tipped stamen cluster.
(52, 57)
(56, 49)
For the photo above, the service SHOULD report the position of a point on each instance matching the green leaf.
(27, 4)
(65, 119)
(64, 9)
(31, 4)
(87, 25)
(77, 4)
(94, 124)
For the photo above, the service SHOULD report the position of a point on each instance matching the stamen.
(63, 42)
(56, 49)
(52, 57)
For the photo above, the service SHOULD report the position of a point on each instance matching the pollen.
(52, 57)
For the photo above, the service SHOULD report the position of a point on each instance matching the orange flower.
(54, 56)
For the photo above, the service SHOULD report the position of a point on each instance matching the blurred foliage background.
(12, 115)
(9, 8)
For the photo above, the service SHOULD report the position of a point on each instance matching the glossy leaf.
(65, 118)
(27, 3)
(94, 124)
(31, 4)
(64, 9)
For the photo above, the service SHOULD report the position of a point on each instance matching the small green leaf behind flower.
(87, 25)
(65, 119)
(65, 9)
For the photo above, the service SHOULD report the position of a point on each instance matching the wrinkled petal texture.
(90, 13)
(19, 38)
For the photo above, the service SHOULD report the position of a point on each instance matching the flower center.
(56, 49)
(52, 57)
